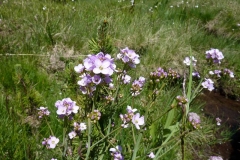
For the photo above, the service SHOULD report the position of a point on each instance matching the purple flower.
(107, 79)
(229, 72)
(96, 70)
(129, 56)
(196, 74)
(116, 153)
(190, 59)
(66, 107)
(137, 86)
(86, 79)
(43, 112)
(158, 74)
(96, 79)
(194, 119)
(217, 72)
(208, 83)
(215, 55)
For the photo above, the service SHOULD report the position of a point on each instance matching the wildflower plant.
(114, 121)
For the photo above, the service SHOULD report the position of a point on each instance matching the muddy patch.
(228, 110)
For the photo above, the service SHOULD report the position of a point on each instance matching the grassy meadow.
(41, 41)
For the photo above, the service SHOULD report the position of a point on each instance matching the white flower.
(211, 72)
(130, 110)
(215, 158)
(111, 85)
(137, 120)
(79, 68)
(126, 79)
(116, 149)
(218, 121)
(102, 67)
(83, 126)
(52, 142)
(151, 155)
(72, 134)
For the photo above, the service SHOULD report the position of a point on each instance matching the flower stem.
(136, 147)
(89, 138)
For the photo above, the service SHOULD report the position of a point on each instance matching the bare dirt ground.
(228, 110)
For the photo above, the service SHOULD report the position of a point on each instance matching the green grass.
(38, 50)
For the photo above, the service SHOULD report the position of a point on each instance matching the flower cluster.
(208, 83)
(94, 115)
(126, 118)
(42, 111)
(220, 73)
(95, 70)
(130, 116)
(189, 60)
(215, 55)
(172, 74)
(78, 128)
(194, 119)
(124, 78)
(116, 153)
(109, 98)
(129, 57)
(66, 107)
(137, 86)
(229, 72)
(215, 158)
(50, 142)
(215, 72)
(158, 74)
(181, 100)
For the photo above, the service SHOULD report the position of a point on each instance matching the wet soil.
(228, 110)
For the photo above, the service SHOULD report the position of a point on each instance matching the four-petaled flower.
(50, 142)
(137, 120)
